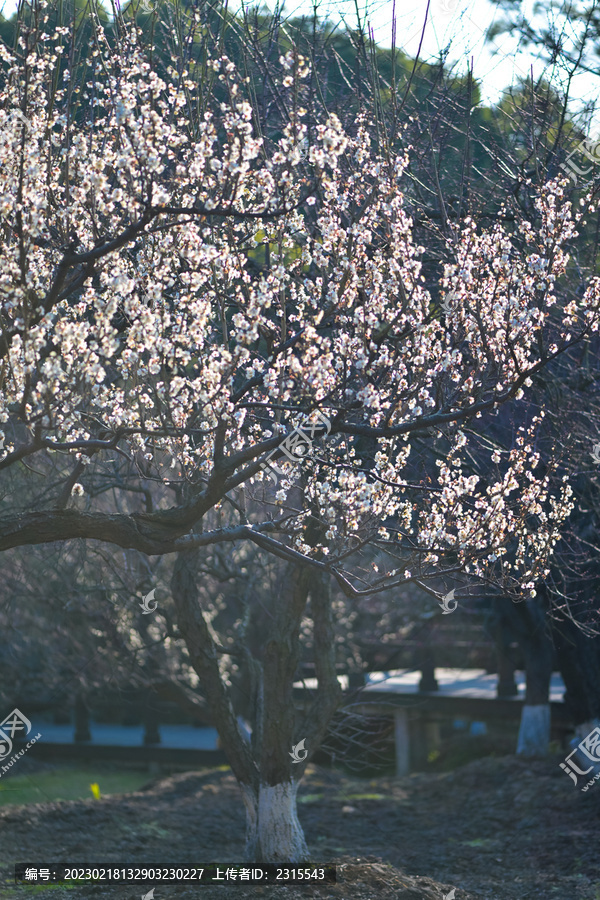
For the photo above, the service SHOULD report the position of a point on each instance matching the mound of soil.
(495, 829)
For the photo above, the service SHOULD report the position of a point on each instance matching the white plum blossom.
(188, 294)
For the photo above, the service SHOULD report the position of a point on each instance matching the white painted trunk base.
(534, 731)
(273, 832)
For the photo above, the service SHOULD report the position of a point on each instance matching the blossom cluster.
(169, 281)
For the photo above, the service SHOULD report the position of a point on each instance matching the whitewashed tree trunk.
(535, 640)
(534, 732)
(267, 777)
(273, 832)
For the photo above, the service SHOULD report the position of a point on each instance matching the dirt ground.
(494, 829)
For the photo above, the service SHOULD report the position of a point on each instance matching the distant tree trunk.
(426, 660)
(579, 662)
(507, 686)
(82, 727)
(428, 680)
(534, 730)
(527, 623)
(534, 638)
(151, 720)
(567, 640)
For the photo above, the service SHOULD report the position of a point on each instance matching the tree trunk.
(507, 686)
(426, 660)
(151, 721)
(266, 770)
(579, 662)
(82, 727)
(528, 623)
(273, 832)
(534, 731)
(203, 656)
(269, 791)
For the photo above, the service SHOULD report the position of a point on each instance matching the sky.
(462, 24)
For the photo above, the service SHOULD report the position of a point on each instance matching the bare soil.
(494, 829)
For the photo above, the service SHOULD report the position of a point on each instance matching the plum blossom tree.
(183, 283)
